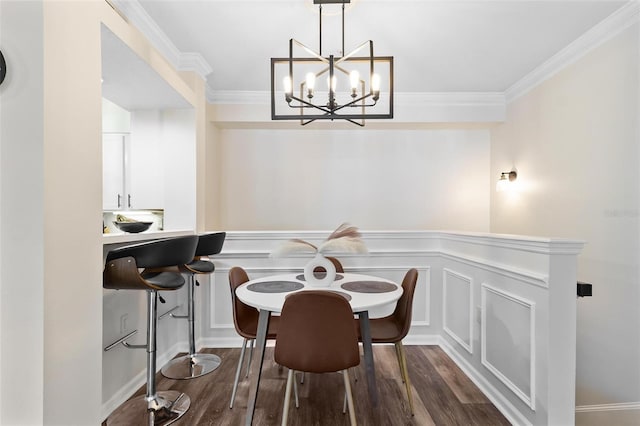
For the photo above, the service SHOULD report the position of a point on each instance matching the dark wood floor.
(443, 395)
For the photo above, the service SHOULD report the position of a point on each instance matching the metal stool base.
(191, 366)
(171, 406)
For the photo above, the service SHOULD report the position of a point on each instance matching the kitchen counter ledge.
(122, 237)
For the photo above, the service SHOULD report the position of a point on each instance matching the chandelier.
(358, 85)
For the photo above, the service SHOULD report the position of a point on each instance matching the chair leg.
(287, 397)
(347, 389)
(295, 390)
(250, 358)
(407, 383)
(399, 359)
(238, 369)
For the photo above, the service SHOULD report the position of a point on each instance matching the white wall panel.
(508, 340)
(457, 302)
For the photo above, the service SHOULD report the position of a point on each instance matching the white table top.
(360, 300)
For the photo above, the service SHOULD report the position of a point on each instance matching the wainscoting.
(501, 307)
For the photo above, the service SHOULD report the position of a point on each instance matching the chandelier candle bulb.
(288, 87)
(355, 79)
(332, 83)
(311, 82)
(375, 86)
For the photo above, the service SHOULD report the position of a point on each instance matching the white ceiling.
(438, 46)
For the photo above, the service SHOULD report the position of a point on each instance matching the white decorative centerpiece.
(345, 239)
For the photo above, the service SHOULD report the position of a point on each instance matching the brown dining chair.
(245, 320)
(394, 328)
(335, 262)
(316, 335)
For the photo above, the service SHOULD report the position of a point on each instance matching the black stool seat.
(194, 364)
(200, 267)
(163, 280)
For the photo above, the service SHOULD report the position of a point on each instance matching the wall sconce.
(506, 178)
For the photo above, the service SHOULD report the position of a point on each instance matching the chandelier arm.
(356, 50)
(332, 94)
(310, 51)
(291, 62)
(306, 104)
(371, 65)
(359, 106)
(351, 104)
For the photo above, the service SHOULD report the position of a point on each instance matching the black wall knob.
(3, 68)
(584, 289)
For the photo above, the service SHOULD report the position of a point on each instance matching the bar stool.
(159, 259)
(193, 364)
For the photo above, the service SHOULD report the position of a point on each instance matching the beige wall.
(309, 179)
(72, 161)
(50, 222)
(575, 142)
(212, 178)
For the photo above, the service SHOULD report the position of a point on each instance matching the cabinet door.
(146, 165)
(113, 195)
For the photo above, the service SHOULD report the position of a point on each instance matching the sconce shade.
(506, 178)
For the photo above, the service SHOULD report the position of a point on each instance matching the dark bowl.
(132, 227)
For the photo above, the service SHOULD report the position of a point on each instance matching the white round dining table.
(364, 293)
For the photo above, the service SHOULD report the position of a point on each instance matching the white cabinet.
(145, 168)
(113, 170)
(132, 172)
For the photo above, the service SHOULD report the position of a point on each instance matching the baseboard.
(220, 342)
(608, 407)
(421, 339)
(619, 414)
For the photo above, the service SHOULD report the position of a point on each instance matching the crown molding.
(139, 18)
(193, 61)
(450, 98)
(617, 22)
